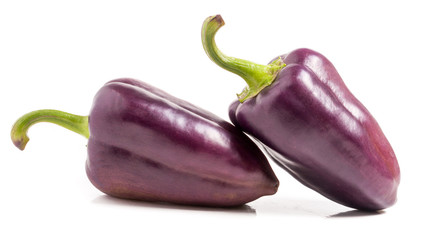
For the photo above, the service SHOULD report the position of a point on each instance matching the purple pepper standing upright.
(308, 121)
(145, 144)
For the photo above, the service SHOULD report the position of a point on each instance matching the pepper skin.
(147, 145)
(312, 126)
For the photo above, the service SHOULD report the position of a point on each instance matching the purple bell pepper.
(308, 121)
(145, 144)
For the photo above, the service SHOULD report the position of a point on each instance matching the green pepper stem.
(76, 123)
(257, 76)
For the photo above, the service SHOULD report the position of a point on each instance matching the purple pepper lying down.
(308, 121)
(145, 144)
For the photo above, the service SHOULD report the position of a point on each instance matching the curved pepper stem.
(76, 123)
(257, 76)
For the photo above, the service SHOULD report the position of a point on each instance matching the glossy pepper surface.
(308, 121)
(145, 144)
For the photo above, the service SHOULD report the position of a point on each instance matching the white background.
(57, 54)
